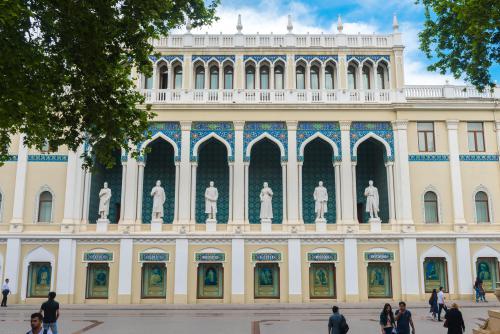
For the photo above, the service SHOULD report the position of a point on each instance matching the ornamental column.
(346, 177)
(192, 216)
(246, 166)
(390, 186)
(73, 192)
(456, 175)
(351, 270)
(181, 271)
(20, 186)
(184, 189)
(408, 262)
(12, 262)
(130, 193)
(66, 265)
(231, 191)
(124, 188)
(464, 268)
(292, 175)
(176, 191)
(497, 130)
(238, 175)
(125, 271)
(338, 205)
(294, 271)
(237, 271)
(301, 209)
(140, 186)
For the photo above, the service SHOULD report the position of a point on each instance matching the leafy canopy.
(65, 69)
(464, 36)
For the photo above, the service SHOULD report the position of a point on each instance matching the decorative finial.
(395, 24)
(289, 26)
(340, 26)
(188, 25)
(239, 26)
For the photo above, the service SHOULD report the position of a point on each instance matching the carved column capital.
(345, 125)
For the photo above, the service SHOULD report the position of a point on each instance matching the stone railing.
(276, 41)
(449, 91)
(195, 96)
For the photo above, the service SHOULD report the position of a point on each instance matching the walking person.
(337, 323)
(5, 292)
(477, 288)
(454, 320)
(404, 320)
(50, 311)
(434, 304)
(36, 325)
(482, 293)
(387, 322)
(441, 302)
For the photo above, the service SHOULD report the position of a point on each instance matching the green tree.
(464, 37)
(65, 68)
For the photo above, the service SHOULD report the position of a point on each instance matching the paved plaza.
(226, 319)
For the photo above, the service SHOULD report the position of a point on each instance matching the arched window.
(250, 77)
(300, 77)
(314, 76)
(200, 78)
(329, 77)
(228, 77)
(278, 77)
(214, 77)
(264, 77)
(431, 207)
(147, 82)
(178, 77)
(482, 207)
(366, 77)
(45, 207)
(163, 84)
(382, 77)
(351, 77)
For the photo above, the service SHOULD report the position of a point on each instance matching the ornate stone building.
(290, 110)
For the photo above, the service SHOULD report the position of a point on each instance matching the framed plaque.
(267, 280)
(322, 280)
(39, 278)
(210, 281)
(487, 270)
(435, 274)
(97, 280)
(379, 280)
(154, 280)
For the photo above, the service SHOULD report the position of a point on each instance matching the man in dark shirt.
(404, 320)
(50, 311)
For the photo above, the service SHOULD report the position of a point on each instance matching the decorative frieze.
(171, 130)
(428, 157)
(320, 58)
(276, 130)
(478, 157)
(382, 131)
(270, 58)
(219, 130)
(47, 158)
(167, 58)
(330, 130)
(374, 58)
(208, 58)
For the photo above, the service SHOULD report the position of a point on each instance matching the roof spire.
(340, 25)
(289, 26)
(239, 26)
(395, 24)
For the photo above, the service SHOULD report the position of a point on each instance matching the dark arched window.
(366, 77)
(200, 78)
(351, 77)
(381, 77)
(300, 77)
(329, 77)
(147, 82)
(431, 207)
(279, 79)
(163, 74)
(45, 207)
(250, 77)
(214, 77)
(178, 77)
(314, 76)
(264, 77)
(228, 77)
(482, 207)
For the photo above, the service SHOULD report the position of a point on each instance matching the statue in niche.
(211, 197)
(320, 201)
(372, 200)
(266, 205)
(104, 201)
(158, 194)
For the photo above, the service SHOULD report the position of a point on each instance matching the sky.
(316, 16)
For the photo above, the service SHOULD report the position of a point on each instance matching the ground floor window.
(322, 280)
(39, 278)
(435, 274)
(97, 280)
(379, 280)
(487, 270)
(267, 280)
(210, 280)
(154, 280)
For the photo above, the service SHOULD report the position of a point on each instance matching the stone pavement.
(227, 319)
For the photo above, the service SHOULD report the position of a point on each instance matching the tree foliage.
(65, 68)
(464, 37)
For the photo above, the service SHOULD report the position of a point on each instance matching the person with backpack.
(433, 303)
(387, 322)
(50, 311)
(36, 325)
(337, 323)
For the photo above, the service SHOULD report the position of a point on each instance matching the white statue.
(158, 194)
(320, 200)
(104, 201)
(266, 205)
(372, 200)
(211, 197)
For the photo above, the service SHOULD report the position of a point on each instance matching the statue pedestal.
(320, 224)
(375, 225)
(102, 225)
(211, 225)
(156, 225)
(266, 225)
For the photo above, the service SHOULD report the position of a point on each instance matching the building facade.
(290, 110)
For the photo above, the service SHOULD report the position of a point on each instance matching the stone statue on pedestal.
(266, 205)
(211, 197)
(372, 200)
(320, 201)
(159, 197)
(104, 201)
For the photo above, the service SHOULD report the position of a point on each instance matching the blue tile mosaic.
(167, 58)
(277, 130)
(207, 58)
(200, 130)
(381, 129)
(374, 58)
(428, 157)
(47, 158)
(330, 130)
(269, 58)
(172, 130)
(478, 157)
(321, 58)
